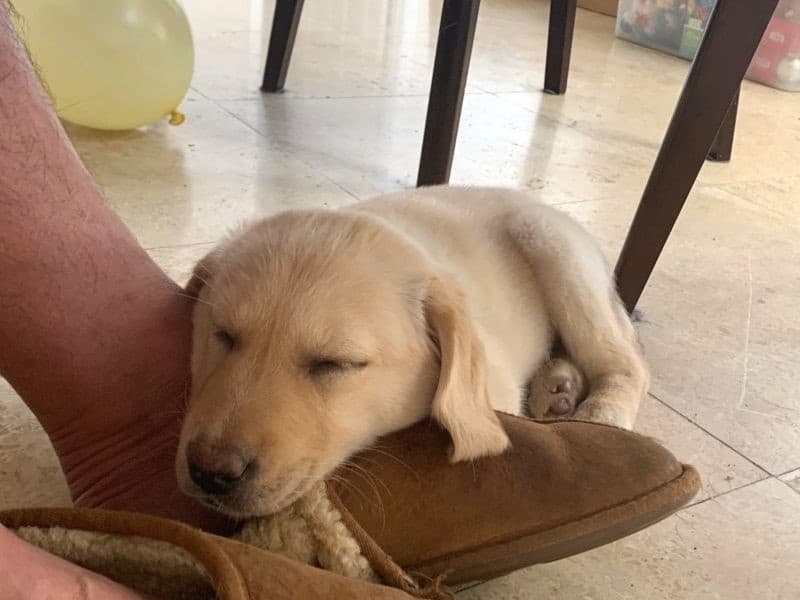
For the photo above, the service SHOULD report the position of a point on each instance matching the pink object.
(777, 61)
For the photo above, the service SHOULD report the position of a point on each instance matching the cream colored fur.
(318, 331)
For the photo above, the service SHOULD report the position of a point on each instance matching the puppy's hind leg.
(582, 303)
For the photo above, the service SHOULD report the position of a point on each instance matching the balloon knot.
(176, 117)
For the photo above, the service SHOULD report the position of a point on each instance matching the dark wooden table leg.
(559, 45)
(281, 42)
(731, 38)
(723, 144)
(453, 50)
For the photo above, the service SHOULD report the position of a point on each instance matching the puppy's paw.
(556, 390)
(607, 413)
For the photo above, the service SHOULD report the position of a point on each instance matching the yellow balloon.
(110, 64)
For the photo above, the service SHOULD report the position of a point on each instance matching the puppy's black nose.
(216, 469)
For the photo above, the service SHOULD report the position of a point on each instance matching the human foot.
(32, 574)
(120, 452)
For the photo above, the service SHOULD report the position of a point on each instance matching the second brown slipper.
(171, 560)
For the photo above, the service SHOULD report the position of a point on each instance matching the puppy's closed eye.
(226, 338)
(320, 367)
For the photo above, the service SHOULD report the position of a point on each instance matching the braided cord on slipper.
(311, 531)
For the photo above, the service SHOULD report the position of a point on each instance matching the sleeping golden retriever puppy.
(316, 332)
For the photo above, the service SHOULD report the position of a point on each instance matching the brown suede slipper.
(561, 489)
(403, 515)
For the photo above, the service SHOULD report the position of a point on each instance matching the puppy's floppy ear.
(201, 274)
(461, 404)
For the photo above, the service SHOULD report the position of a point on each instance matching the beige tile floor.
(722, 325)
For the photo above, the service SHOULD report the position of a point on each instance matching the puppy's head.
(315, 333)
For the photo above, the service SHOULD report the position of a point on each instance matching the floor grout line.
(726, 492)
(566, 202)
(721, 441)
(751, 202)
(295, 157)
(791, 487)
(784, 474)
(331, 97)
(747, 330)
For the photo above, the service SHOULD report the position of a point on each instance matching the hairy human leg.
(93, 335)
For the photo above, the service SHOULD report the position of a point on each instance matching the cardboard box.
(607, 7)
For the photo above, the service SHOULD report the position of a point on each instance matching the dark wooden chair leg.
(723, 144)
(731, 38)
(453, 50)
(559, 45)
(281, 41)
